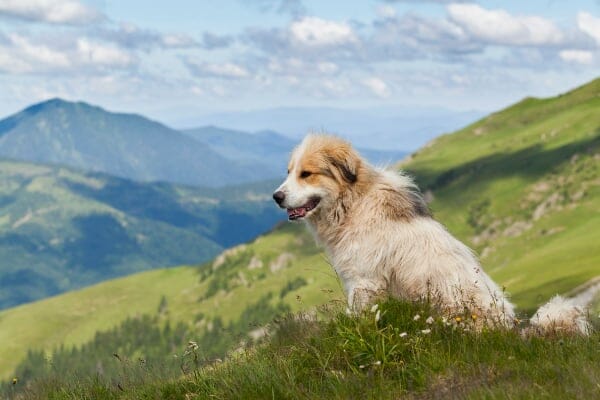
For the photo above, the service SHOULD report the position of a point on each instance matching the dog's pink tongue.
(294, 213)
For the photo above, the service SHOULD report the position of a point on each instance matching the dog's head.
(320, 169)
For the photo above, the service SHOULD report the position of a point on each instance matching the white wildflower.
(361, 366)
(403, 334)
(378, 316)
(426, 331)
(375, 307)
(377, 363)
(417, 317)
(429, 320)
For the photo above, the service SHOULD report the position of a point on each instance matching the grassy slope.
(73, 318)
(387, 354)
(500, 159)
(491, 180)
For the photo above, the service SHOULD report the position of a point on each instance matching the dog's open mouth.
(300, 212)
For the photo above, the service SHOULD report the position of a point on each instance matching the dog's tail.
(566, 315)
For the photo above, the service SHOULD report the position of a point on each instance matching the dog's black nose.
(279, 197)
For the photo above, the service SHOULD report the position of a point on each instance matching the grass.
(485, 179)
(497, 173)
(73, 318)
(385, 353)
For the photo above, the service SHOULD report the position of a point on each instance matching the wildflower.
(426, 331)
(417, 317)
(403, 334)
(15, 380)
(361, 366)
(375, 307)
(429, 320)
(458, 319)
(192, 345)
(474, 317)
(377, 363)
(378, 316)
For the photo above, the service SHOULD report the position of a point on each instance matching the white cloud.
(36, 54)
(590, 25)
(314, 31)
(173, 40)
(386, 11)
(99, 54)
(327, 67)
(21, 54)
(500, 27)
(11, 64)
(335, 88)
(225, 70)
(577, 56)
(296, 66)
(50, 11)
(131, 36)
(377, 87)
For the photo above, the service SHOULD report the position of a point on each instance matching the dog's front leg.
(364, 293)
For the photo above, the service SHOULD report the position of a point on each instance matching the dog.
(382, 240)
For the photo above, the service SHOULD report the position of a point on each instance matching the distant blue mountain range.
(385, 128)
(84, 136)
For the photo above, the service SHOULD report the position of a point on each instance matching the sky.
(176, 60)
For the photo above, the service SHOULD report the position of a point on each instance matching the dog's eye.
(305, 174)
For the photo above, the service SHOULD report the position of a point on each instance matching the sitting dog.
(382, 240)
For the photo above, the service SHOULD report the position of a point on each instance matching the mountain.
(62, 229)
(126, 145)
(269, 149)
(520, 186)
(384, 128)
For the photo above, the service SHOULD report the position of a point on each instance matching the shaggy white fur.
(381, 238)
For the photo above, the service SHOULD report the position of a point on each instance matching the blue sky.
(179, 59)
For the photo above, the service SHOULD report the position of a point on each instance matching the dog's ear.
(346, 162)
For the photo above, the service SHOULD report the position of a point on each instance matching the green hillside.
(62, 229)
(521, 187)
(285, 258)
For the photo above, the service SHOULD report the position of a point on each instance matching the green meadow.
(521, 187)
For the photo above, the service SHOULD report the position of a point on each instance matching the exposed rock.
(221, 258)
(258, 333)
(281, 262)
(578, 195)
(255, 263)
(517, 228)
(486, 252)
(551, 203)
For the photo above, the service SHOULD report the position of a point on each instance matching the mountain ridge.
(81, 135)
(62, 228)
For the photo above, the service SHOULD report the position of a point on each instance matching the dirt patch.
(551, 203)
(517, 228)
(281, 262)
(221, 258)
(255, 263)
